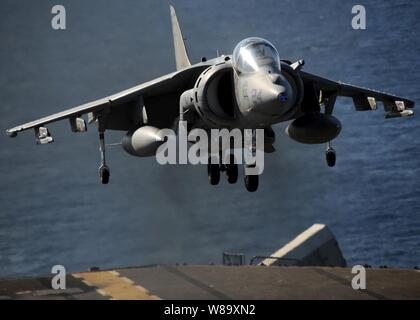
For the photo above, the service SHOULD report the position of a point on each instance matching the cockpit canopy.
(251, 54)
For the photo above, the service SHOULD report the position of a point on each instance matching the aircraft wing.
(126, 109)
(363, 98)
(121, 103)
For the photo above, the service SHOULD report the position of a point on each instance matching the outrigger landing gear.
(104, 172)
(330, 155)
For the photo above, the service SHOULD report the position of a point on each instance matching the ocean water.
(53, 210)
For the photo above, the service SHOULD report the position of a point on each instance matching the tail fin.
(181, 56)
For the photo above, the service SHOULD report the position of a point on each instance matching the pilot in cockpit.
(253, 54)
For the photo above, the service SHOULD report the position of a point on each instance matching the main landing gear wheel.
(232, 170)
(251, 182)
(330, 157)
(213, 170)
(104, 174)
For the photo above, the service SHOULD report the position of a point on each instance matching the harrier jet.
(250, 89)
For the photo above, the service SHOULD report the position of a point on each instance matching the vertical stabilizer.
(181, 56)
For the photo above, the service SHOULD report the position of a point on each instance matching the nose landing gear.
(214, 169)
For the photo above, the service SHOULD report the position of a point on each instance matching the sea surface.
(53, 210)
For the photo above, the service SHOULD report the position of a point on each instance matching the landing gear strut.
(251, 180)
(330, 155)
(213, 170)
(232, 170)
(329, 102)
(104, 172)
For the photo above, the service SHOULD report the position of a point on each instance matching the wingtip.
(412, 103)
(11, 133)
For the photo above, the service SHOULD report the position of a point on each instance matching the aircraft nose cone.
(274, 90)
(275, 78)
(282, 96)
(277, 92)
(277, 89)
(274, 95)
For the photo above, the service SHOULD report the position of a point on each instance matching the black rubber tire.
(104, 175)
(330, 157)
(232, 170)
(213, 171)
(251, 183)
